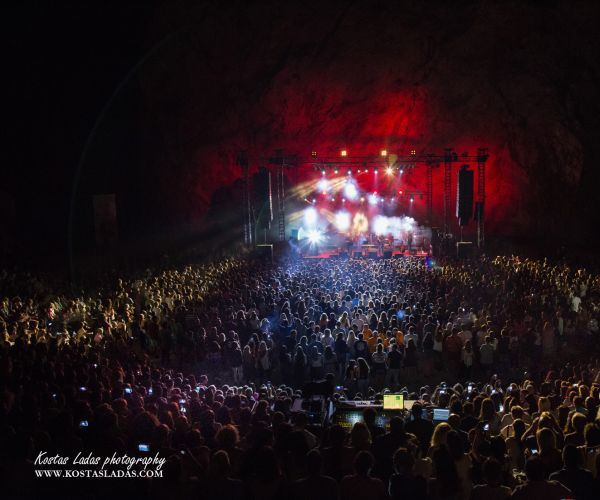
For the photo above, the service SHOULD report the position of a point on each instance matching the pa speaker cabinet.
(464, 195)
(464, 249)
(264, 252)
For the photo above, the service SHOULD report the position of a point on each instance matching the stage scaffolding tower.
(430, 193)
(482, 156)
(449, 157)
(280, 180)
(242, 161)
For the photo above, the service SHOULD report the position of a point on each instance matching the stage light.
(373, 199)
(314, 201)
(401, 171)
(336, 171)
(323, 172)
(324, 193)
(366, 170)
(413, 152)
(310, 216)
(332, 199)
(381, 200)
(359, 170)
(323, 185)
(380, 225)
(376, 170)
(343, 200)
(389, 170)
(362, 199)
(344, 152)
(401, 192)
(392, 199)
(350, 190)
(349, 171)
(412, 198)
(315, 236)
(313, 154)
(342, 221)
(383, 152)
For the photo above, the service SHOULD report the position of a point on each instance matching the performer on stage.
(380, 244)
(349, 245)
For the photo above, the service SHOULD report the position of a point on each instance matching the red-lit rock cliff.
(520, 79)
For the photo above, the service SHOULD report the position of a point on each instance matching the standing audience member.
(360, 485)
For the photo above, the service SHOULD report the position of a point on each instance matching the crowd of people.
(203, 364)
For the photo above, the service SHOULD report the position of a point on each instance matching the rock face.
(519, 78)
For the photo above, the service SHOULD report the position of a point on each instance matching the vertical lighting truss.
(448, 159)
(280, 178)
(482, 156)
(242, 161)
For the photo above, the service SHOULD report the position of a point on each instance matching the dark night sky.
(62, 63)
(165, 92)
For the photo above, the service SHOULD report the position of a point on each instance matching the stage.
(335, 253)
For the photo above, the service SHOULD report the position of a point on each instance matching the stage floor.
(335, 253)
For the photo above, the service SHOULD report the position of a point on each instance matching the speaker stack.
(264, 253)
(464, 249)
(464, 196)
(263, 198)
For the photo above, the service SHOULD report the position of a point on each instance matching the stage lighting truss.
(353, 168)
(371, 199)
(401, 163)
(354, 196)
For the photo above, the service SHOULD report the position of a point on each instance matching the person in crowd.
(537, 486)
(379, 366)
(547, 451)
(385, 445)
(337, 456)
(316, 485)
(492, 489)
(220, 483)
(362, 377)
(394, 366)
(411, 360)
(421, 427)
(316, 363)
(515, 445)
(446, 483)
(486, 356)
(489, 415)
(404, 483)
(579, 480)
(467, 357)
(360, 485)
